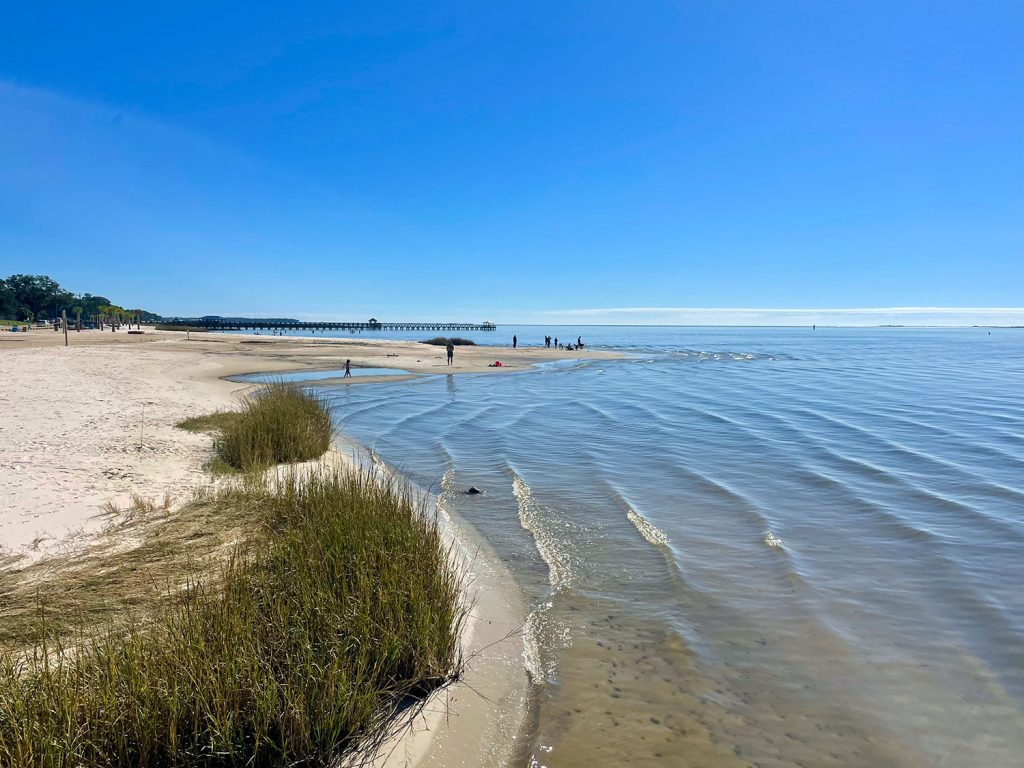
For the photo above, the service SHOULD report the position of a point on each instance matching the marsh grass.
(211, 422)
(277, 424)
(142, 552)
(341, 604)
(442, 341)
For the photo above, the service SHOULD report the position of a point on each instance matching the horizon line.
(596, 310)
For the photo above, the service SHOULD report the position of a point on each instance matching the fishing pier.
(258, 324)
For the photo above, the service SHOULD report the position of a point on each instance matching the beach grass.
(210, 422)
(455, 341)
(143, 550)
(277, 424)
(339, 604)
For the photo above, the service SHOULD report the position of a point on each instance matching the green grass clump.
(443, 341)
(341, 604)
(277, 424)
(211, 422)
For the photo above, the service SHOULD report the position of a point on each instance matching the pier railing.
(236, 324)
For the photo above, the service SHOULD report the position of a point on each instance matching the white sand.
(84, 426)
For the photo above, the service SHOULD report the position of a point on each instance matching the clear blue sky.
(503, 160)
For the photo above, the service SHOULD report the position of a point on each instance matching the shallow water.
(748, 546)
(296, 376)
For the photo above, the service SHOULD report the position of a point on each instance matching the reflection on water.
(748, 546)
(289, 377)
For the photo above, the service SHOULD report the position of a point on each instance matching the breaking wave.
(647, 529)
(533, 519)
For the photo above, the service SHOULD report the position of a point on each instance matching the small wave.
(537, 666)
(448, 482)
(647, 529)
(543, 634)
(378, 465)
(445, 496)
(532, 519)
(704, 355)
(772, 540)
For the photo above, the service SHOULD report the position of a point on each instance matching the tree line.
(38, 297)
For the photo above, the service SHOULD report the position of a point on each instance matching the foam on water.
(446, 495)
(554, 552)
(538, 662)
(544, 634)
(378, 463)
(647, 529)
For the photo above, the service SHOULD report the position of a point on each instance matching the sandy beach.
(92, 424)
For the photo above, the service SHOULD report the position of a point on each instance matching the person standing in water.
(451, 351)
(515, 341)
(348, 369)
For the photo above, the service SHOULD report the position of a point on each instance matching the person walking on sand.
(579, 342)
(451, 352)
(515, 341)
(348, 370)
(556, 342)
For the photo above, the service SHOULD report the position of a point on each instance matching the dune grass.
(143, 550)
(442, 341)
(341, 603)
(210, 422)
(277, 424)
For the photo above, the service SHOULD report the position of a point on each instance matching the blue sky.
(606, 161)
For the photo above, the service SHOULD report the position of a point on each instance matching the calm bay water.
(746, 546)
